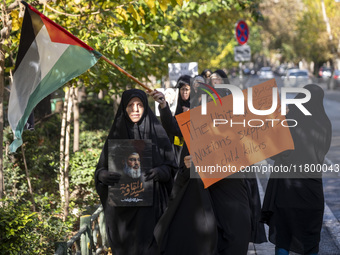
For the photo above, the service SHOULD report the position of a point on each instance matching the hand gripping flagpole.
(126, 73)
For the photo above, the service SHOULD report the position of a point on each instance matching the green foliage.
(143, 36)
(24, 232)
(82, 167)
(36, 233)
(96, 114)
(41, 150)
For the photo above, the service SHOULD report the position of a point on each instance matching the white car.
(266, 73)
(296, 78)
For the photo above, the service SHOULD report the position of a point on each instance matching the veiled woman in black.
(188, 226)
(206, 73)
(130, 229)
(246, 181)
(294, 203)
(183, 104)
(216, 220)
(220, 77)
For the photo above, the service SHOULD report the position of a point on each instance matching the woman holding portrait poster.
(130, 229)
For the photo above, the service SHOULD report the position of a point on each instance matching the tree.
(142, 36)
(211, 26)
(297, 30)
(4, 36)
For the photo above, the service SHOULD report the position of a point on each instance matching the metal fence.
(90, 239)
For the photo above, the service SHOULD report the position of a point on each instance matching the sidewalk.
(330, 233)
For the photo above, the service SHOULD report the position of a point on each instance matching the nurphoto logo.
(238, 104)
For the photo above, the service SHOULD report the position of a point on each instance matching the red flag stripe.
(57, 33)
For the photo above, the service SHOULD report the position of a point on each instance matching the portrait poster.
(171, 96)
(132, 159)
(178, 69)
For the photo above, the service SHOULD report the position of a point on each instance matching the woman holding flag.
(216, 220)
(188, 225)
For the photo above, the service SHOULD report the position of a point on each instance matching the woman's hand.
(158, 97)
(185, 108)
(108, 178)
(157, 174)
(188, 161)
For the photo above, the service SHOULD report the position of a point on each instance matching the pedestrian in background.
(206, 73)
(183, 105)
(220, 77)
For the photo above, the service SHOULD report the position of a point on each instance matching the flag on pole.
(48, 57)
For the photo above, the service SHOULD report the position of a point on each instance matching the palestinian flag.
(48, 57)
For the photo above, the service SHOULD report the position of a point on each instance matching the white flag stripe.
(37, 62)
(26, 75)
(49, 51)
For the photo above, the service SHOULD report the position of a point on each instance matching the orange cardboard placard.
(242, 140)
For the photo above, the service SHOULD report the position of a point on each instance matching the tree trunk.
(30, 189)
(2, 85)
(62, 150)
(4, 34)
(76, 119)
(67, 152)
(326, 20)
(330, 37)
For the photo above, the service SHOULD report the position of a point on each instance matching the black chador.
(188, 226)
(130, 229)
(216, 220)
(294, 204)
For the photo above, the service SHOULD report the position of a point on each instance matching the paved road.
(330, 234)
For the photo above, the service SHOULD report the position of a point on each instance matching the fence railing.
(90, 239)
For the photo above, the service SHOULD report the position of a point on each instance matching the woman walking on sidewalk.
(294, 204)
(130, 228)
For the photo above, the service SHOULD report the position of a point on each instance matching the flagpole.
(126, 73)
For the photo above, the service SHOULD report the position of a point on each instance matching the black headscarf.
(196, 92)
(130, 229)
(148, 127)
(204, 73)
(182, 80)
(224, 76)
(313, 132)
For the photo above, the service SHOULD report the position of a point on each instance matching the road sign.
(242, 53)
(241, 32)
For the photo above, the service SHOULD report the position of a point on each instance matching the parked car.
(248, 71)
(266, 73)
(336, 79)
(325, 72)
(280, 70)
(296, 78)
